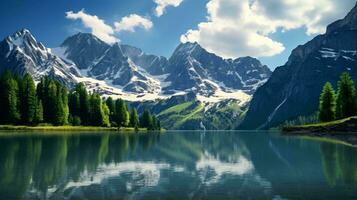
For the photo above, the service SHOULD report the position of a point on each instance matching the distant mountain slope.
(192, 67)
(293, 89)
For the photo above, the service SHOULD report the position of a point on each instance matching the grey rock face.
(155, 65)
(21, 54)
(84, 49)
(191, 66)
(293, 89)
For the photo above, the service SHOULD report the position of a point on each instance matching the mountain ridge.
(293, 89)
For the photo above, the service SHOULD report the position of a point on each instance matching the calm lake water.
(175, 165)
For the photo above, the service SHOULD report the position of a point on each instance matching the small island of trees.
(50, 102)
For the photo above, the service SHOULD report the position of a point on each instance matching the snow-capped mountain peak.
(127, 72)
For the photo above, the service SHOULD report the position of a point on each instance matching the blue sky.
(221, 26)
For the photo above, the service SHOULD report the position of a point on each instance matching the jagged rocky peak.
(24, 40)
(21, 54)
(187, 49)
(84, 49)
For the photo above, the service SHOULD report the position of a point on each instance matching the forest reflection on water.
(174, 165)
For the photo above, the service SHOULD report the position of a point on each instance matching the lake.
(175, 165)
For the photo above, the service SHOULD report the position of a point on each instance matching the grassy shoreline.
(344, 130)
(342, 126)
(67, 128)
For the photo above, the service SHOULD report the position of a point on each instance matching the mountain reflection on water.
(174, 165)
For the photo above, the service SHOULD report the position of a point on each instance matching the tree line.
(24, 103)
(340, 104)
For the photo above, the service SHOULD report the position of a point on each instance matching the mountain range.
(293, 89)
(194, 89)
(191, 76)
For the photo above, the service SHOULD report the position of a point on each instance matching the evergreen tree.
(50, 103)
(96, 112)
(327, 103)
(27, 99)
(38, 117)
(111, 106)
(154, 123)
(134, 118)
(84, 103)
(346, 97)
(106, 113)
(65, 108)
(46, 86)
(74, 104)
(9, 103)
(59, 111)
(146, 120)
(122, 114)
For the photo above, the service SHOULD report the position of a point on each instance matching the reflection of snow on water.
(145, 174)
(211, 169)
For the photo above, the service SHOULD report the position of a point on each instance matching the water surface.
(175, 165)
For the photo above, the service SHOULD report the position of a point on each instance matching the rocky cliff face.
(293, 89)
(192, 67)
(22, 54)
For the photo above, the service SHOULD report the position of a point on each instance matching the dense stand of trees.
(341, 104)
(21, 102)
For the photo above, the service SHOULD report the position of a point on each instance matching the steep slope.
(83, 49)
(293, 89)
(155, 65)
(21, 53)
(193, 68)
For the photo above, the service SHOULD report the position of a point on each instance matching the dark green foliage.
(96, 113)
(146, 119)
(122, 114)
(21, 102)
(84, 103)
(74, 103)
(9, 101)
(76, 121)
(327, 108)
(106, 113)
(134, 118)
(111, 106)
(154, 124)
(38, 117)
(346, 97)
(28, 102)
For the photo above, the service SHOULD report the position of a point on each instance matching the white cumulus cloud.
(240, 28)
(106, 32)
(98, 26)
(129, 23)
(161, 5)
